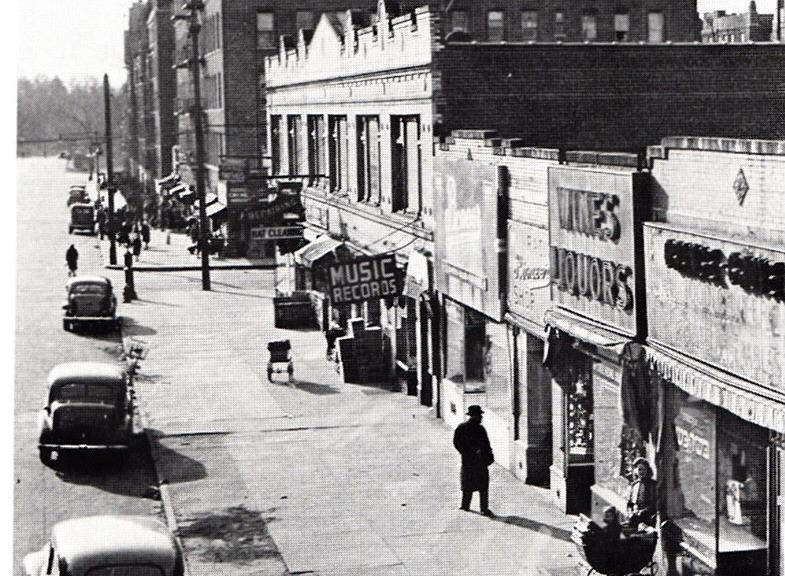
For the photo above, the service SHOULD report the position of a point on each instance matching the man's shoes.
(488, 513)
(464, 509)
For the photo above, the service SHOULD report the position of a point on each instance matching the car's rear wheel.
(70, 229)
(67, 325)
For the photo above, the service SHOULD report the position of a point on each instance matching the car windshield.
(82, 210)
(126, 570)
(78, 391)
(99, 289)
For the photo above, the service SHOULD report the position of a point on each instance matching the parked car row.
(89, 410)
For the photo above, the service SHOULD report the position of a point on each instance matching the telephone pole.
(109, 170)
(195, 64)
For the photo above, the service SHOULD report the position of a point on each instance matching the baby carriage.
(624, 556)
(280, 353)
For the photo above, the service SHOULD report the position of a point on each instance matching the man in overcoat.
(471, 441)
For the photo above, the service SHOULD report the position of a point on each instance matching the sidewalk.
(174, 256)
(317, 476)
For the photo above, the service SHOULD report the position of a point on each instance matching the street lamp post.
(195, 63)
(109, 171)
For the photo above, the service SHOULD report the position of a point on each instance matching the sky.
(76, 39)
(72, 39)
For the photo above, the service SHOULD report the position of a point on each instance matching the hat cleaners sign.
(364, 278)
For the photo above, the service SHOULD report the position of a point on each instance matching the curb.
(193, 268)
(163, 484)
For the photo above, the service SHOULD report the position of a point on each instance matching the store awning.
(168, 181)
(743, 398)
(586, 331)
(209, 198)
(311, 253)
(214, 209)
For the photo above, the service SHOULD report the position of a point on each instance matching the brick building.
(363, 106)
(148, 58)
(235, 39)
(549, 21)
(748, 27)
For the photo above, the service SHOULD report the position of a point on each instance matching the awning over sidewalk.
(168, 181)
(745, 399)
(209, 198)
(586, 331)
(214, 209)
(311, 253)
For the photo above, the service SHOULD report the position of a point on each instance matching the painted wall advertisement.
(529, 280)
(364, 278)
(593, 216)
(466, 234)
(703, 290)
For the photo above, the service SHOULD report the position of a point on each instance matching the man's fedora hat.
(474, 410)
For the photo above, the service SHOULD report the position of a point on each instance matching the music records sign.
(365, 278)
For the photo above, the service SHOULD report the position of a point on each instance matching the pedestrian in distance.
(71, 259)
(136, 244)
(471, 441)
(145, 231)
(101, 219)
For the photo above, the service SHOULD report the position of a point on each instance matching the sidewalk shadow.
(157, 303)
(134, 329)
(536, 526)
(174, 466)
(245, 294)
(314, 388)
(135, 477)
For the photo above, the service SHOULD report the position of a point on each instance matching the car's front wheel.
(67, 326)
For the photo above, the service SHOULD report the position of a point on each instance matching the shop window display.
(718, 498)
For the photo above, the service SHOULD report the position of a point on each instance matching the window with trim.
(294, 128)
(317, 147)
(275, 142)
(656, 27)
(265, 30)
(529, 25)
(621, 26)
(304, 20)
(368, 159)
(406, 163)
(339, 153)
(495, 26)
(589, 27)
(459, 21)
(559, 25)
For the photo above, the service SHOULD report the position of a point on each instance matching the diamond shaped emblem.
(740, 186)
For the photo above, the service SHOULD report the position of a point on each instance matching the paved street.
(43, 497)
(313, 477)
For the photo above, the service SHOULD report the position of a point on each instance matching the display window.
(718, 496)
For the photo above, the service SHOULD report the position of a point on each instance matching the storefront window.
(742, 474)
(496, 368)
(476, 351)
(454, 365)
(719, 496)
(580, 415)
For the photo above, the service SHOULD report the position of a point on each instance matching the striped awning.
(311, 253)
(743, 398)
(214, 209)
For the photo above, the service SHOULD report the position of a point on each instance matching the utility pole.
(109, 170)
(195, 63)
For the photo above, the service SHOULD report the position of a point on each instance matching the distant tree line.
(52, 117)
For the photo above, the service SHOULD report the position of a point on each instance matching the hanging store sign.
(594, 214)
(529, 280)
(717, 300)
(469, 235)
(276, 232)
(365, 278)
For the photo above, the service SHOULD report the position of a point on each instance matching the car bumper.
(95, 447)
(90, 318)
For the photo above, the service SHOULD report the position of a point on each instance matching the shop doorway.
(426, 386)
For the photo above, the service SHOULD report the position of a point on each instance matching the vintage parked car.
(88, 407)
(77, 193)
(108, 546)
(89, 299)
(82, 218)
